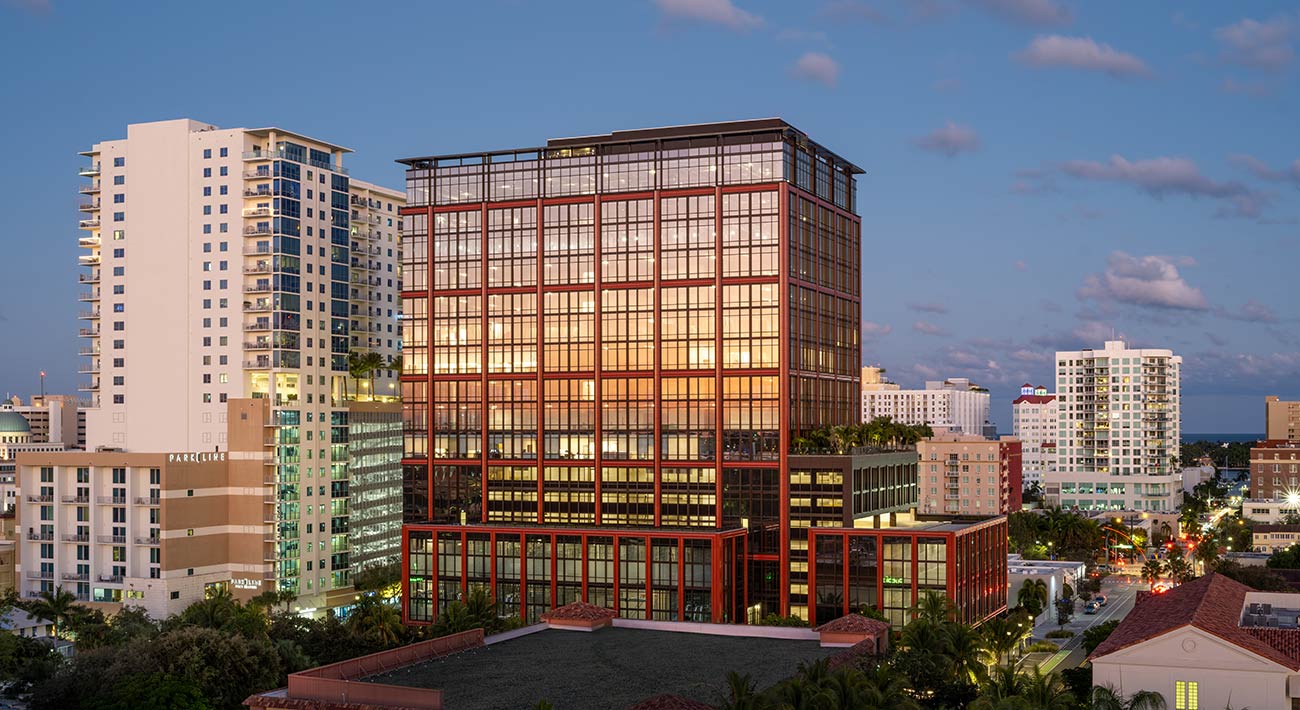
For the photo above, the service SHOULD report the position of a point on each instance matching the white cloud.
(720, 12)
(929, 307)
(875, 330)
(1259, 44)
(1151, 281)
(818, 67)
(1165, 176)
(928, 328)
(1253, 89)
(1251, 311)
(1263, 171)
(852, 11)
(1035, 13)
(951, 139)
(1081, 53)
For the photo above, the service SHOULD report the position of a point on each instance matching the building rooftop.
(1216, 605)
(650, 135)
(612, 668)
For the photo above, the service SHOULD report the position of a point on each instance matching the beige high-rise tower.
(227, 263)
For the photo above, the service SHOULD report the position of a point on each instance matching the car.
(1100, 600)
(1090, 608)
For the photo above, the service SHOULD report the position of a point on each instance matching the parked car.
(1100, 600)
(1090, 608)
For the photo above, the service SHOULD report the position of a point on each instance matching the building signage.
(894, 580)
(246, 583)
(197, 457)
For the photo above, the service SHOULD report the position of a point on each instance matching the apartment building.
(610, 342)
(1034, 422)
(970, 475)
(226, 263)
(1281, 419)
(374, 484)
(156, 530)
(955, 405)
(1118, 428)
(16, 436)
(1275, 470)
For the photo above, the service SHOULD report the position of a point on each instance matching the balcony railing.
(76, 576)
(259, 212)
(258, 345)
(75, 538)
(88, 170)
(111, 578)
(40, 536)
(146, 541)
(88, 206)
(75, 499)
(88, 332)
(146, 500)
(259, 230)
(257, 250)
(89, 189)
(36, 498)
(258, 287)
(257, 307)
(111, 539)
(111, 500)
(90, 278)
(40, 574)
(258, 175)
(89, 351)
(88, 315)
(257, 364)
(258, 268)
(258, 325)
(88, 224)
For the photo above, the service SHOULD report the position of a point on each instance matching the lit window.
(1185, 695)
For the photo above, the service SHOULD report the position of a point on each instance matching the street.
(1121, 593)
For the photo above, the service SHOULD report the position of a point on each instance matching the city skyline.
(1106, 199)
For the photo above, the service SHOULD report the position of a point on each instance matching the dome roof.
(12, 422)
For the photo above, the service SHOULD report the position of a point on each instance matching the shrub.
(1042, 647)
(778, 620)
(1060, 634)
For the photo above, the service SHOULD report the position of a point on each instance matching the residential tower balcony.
(88, 224)
(88, 170)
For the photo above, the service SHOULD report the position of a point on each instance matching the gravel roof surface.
(613, 668)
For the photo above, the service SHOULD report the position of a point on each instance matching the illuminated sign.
(246, 583)
(895, 580)
(197, 457)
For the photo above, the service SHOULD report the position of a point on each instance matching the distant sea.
(1190, 438)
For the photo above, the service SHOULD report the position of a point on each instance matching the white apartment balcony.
(261, 191)
(261, 363)
(88, 224)
(40, 536)
(76, 576)
(90, 189)
(362, 264)
(73, 499)
(75, 537)
(110, 500)
(112, 578)
(89, 351)
(257, 307)
(258, 345)
(88, 315)
(92, 206)
(40, 574)
(90, 278)
(88, 296)
(88, 170)
(92, 386)
(151, 541)
(39, 498)
(260, 267)
(257, 230)
(92, 332)
(260, 249)
(259, 212)
(88, 369)
(111, 539)
(88, 259)
(258, 174)
(89, 242)
(146, 500)
(261, 286)
(260, 324)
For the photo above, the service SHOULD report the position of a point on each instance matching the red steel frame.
(783, 280)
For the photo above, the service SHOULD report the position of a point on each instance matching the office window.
(225, 152)
(119, 162)
(119, 216)
(119, 198)
(207, 172)
(119, 179)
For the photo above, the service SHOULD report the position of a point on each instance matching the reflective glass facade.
(617, 339)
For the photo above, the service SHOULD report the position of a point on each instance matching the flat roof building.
(1281, 419)
(970, 475)
(955, 405)
(610, 343)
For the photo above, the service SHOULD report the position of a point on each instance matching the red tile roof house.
(1210, 643)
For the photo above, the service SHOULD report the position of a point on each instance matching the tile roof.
(855, 624)
(1034, 399)
(668, 701)
(579, 611)
(1212, 604)
(850, 655)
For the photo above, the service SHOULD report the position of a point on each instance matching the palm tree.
(842, 437)
(1105, 697)
(883, 688)
(801, 694)
(1033, 596)
(934, 607)
(378, 621)
(356, 370)
(372, 362)
(58, 607)
(966, 649)
(1002, 636)
(1151, 571)
(1046, 691)
(740, 693)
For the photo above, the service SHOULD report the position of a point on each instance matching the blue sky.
(1040, 173)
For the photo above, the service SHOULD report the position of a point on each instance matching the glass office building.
(609, 344)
